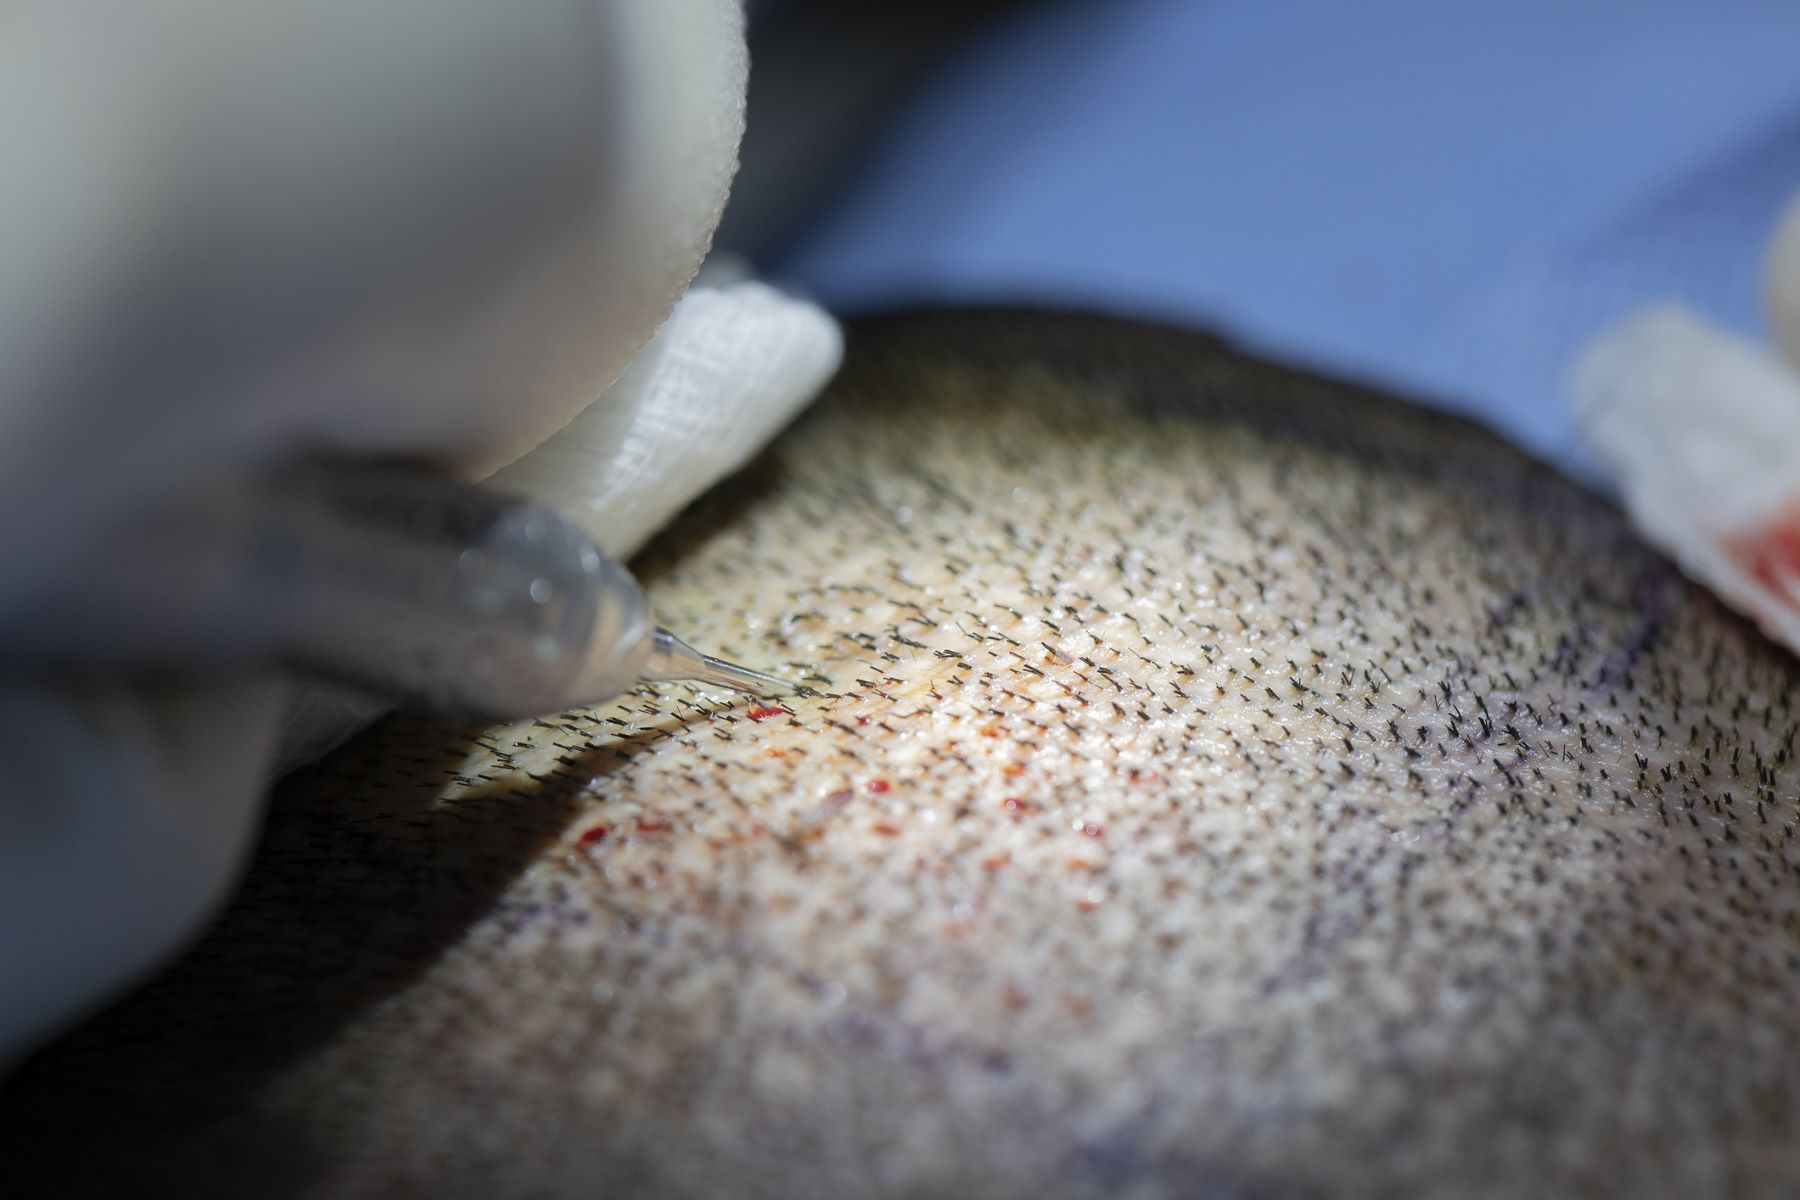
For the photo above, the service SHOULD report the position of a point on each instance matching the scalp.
(1219, 781)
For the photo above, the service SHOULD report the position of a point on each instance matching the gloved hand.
(234, 235)
(1701, 431)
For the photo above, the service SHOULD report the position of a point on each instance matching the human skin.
(1215, 781)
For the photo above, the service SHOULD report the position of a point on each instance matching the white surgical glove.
(235, 234)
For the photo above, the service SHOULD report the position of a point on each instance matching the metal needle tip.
(671, 658)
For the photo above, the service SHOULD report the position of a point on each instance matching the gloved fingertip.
(133, 813)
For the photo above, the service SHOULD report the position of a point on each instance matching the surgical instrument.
(400, 580)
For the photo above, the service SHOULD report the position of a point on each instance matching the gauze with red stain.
(1702, 432)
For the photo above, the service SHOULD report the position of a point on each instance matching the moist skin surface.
(1220, 782)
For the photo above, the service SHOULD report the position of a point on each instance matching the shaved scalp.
(1219, 782)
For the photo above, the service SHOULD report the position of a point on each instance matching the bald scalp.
(1219, 781)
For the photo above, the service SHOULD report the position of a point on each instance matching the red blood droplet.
(862, 721)
(763, 712)
(889, 680)
(1014, 804)
(880, 785)
(593, 836)
(1770, 554)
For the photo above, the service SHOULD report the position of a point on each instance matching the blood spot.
(1014, 804)
(764, 711)
(592, 836)
(880, 785)
(1770, 554)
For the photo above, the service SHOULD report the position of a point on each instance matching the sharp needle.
(671, 659)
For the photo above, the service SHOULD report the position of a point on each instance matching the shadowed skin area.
(1220, 782)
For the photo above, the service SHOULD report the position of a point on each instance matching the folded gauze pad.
(1701, 430)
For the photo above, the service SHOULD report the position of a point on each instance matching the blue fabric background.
(1449, 197)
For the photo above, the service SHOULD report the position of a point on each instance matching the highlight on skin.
(1219, 781)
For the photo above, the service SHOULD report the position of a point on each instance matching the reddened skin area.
(1215, 780)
